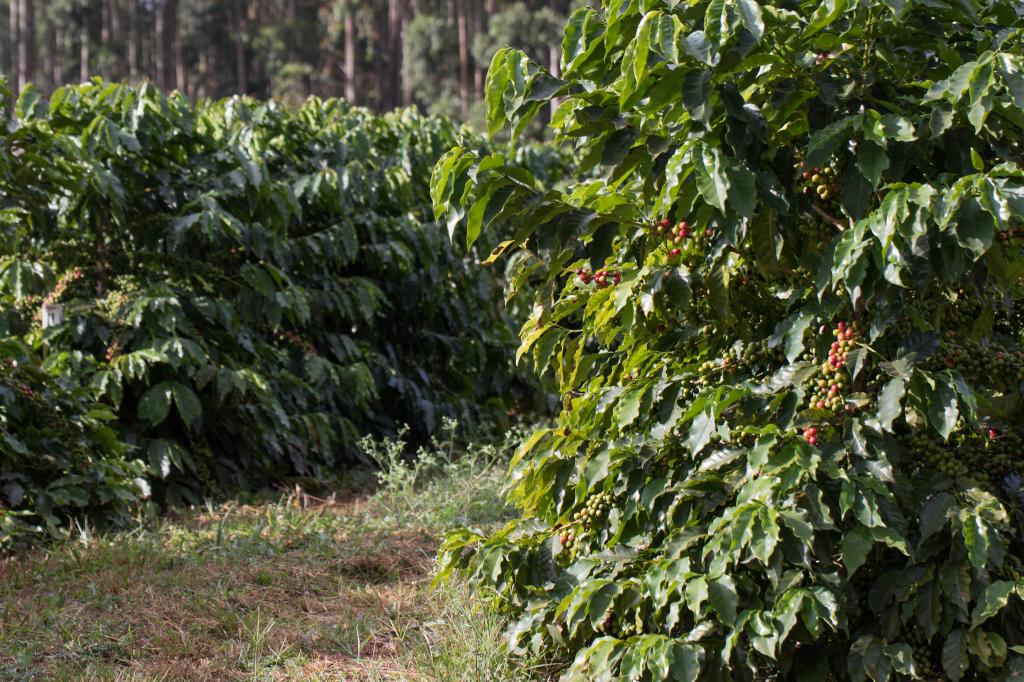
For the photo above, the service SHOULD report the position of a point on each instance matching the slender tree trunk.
(187, 27)
(396, 9)
(117, 22)
(555, 52)
(134, 41)
(145, 43)
(84, 46)
(555, 55)
(112, 38)
(15, 27)
(202, 89)
(169, 45)
(4, 53)
(240, 66)
(50, 58)
(351, 55)
(490, 9)
(465, 84)
(104, 51)
(380, 60)
(27, 43)
(479, 73)
(256, 18)
(160, 53)
(408, 10)
(60, 49)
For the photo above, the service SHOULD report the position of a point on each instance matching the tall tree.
(351, 56)
(26, 43)
(465, 83)
(160, 53)
(240, 65)
(84, 48)
(134, 40)
(409, 8)
(51, 62)
(379, 53)
(555, 53)
(396, 10)
(14, 28)
(480, 27)
(169, 49)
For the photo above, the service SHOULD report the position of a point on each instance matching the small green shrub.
(451, 481)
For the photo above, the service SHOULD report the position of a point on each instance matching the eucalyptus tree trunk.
(555, 54)
(169, 46)
(26, 43)
(13, 33)
(84, 49)
(51, 61)
(134, 39)
(159, 52)
(465, 82)
(480, 16)
(351, 57)
(396, 11)
(240, 65)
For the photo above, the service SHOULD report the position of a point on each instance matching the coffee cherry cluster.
(1010, 234)
(828, 394)
(568, 539)
(58, 291)
(681, 234)
(625, 630)
(810, 434)
(830, 381)
(585, 521)
(821, 184)
(296, 341)
(113, 350)
(992, 365)
(602, 278)
(927, 656)
(750, 358)
(595, 510)
(845, 336)
(932, 455)
(991, 452)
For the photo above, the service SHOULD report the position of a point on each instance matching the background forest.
(376, 53)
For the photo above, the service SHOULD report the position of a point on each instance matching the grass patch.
(297, 587)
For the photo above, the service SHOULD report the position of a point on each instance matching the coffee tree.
(247, 288)
(784, 317)
(59, 453)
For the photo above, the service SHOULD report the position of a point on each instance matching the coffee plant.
(60, 457)
(790, 444)
(249, 288)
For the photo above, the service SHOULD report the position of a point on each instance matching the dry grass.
(298, 588)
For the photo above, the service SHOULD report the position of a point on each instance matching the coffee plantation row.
(783, 311)
(246, 290)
